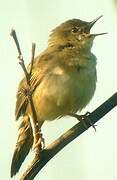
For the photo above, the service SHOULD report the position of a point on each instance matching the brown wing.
(22, 101)
(38, 73)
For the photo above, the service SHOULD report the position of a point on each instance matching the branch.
(20, 57)
(51, 150)
(32, 59)
(34, 121)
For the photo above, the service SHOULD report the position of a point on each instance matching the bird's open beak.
(98, 34)
(90, 25)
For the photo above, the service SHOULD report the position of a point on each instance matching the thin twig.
(52, 149)
(13, 34)
(20, 57)
(34, 121)
(32, 58)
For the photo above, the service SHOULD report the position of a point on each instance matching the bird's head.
(75, 32)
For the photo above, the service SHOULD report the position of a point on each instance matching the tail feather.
(23, 146)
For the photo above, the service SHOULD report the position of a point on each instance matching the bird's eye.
(76, 29)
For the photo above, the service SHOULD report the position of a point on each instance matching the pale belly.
(61, 94)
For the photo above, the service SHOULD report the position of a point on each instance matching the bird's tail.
(23, 146)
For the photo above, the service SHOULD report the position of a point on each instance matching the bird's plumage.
(63, 81)
(24, 143)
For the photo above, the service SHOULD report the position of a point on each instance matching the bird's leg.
(84, 119)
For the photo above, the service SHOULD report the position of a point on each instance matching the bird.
(63, 82)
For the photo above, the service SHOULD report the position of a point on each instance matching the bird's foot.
(39, 143)
(84, 119)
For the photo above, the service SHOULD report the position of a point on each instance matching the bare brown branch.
(20, 57)
(13, 34)
(50, 151)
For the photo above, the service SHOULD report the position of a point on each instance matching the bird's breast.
(62, 92)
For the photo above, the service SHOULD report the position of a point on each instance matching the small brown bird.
(63, 81)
